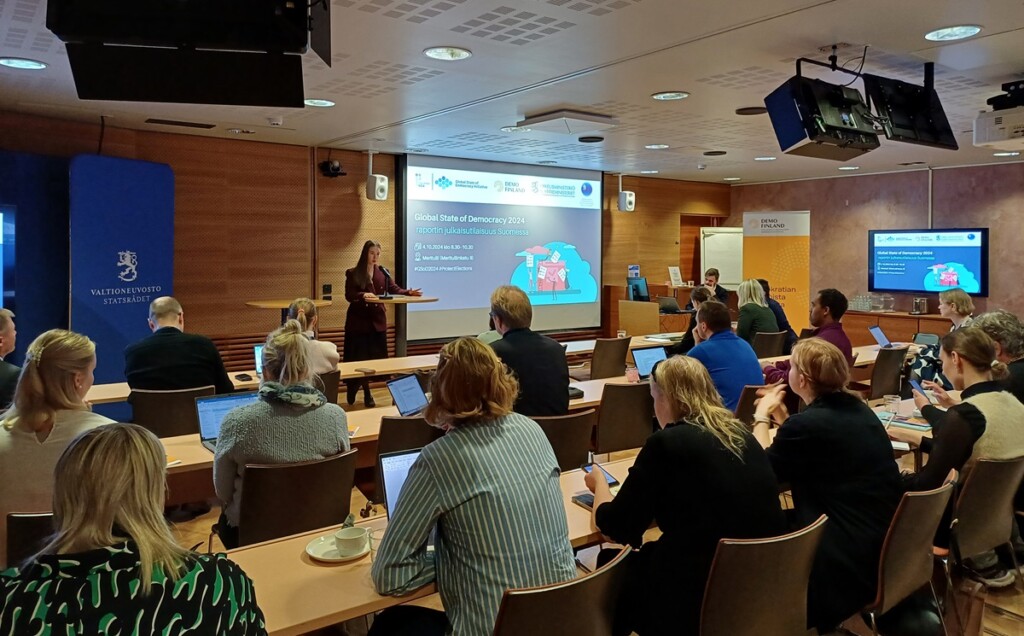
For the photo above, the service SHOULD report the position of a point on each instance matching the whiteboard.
(722, 248)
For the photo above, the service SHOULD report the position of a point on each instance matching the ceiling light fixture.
(731, 179)
(669, 96)
(656, 146)
(591, 139)
(318, 103)
(714, 153)
(515, 129)
(22, 63)
(1006, 153)
(648, 172)
(847, 168)
(751, 110)
(949, 34)
(447, 53)
(241, 131)
(912, 163)
(765, 158)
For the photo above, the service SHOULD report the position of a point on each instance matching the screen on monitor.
(909, 112)
(471, 226)
(917, 261)
(636, 289)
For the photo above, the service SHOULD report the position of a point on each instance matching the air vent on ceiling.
(182, 124)
(569, 122)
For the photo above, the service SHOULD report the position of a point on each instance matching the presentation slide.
(929, 260)
(472, 226)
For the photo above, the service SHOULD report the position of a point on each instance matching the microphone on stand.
(387, 281)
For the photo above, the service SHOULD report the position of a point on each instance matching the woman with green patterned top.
(113, 566)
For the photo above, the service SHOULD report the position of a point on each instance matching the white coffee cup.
(351, 541)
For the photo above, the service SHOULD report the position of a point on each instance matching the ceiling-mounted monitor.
(909, 113)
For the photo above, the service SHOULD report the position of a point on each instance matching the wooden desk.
(866, 356)
(283, 305)
(298, 594)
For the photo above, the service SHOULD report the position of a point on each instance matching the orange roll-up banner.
(777, 247)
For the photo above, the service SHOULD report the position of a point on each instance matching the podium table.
(283, 305)
(400, 302)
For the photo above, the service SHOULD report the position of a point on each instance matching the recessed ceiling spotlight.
(714, 153)
(241, 131)
(751, 110)
(547, 162)
(849, 167)
(1006, 153)
(318, 103)
(912, 163)
(656, 146)
(22, 63)
(648, 172)
(514, 129)
(731, 179)
(415, 149)
(668, 96)
(447, 53)
(765, 158)
(591, 139)
(949, 34)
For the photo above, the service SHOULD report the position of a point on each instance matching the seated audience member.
(698, 296)
(537, 361)
(491, 488)
(1007, 334)
(755, 316)
(780, 316)
(323, 355)
(489, 336)
(702, 477)
(956, 306)
(988, 423)
(171, 359)
(730, 361)
(113, 566)
(711, 282)
(827, 310)
(838, 460)
(8, 372)
(48, 412)
(291, 422)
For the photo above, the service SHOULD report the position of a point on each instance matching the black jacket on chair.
(170, 360)
(539, 364)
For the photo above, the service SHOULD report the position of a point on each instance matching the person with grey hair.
(171, 359)
(8, 372)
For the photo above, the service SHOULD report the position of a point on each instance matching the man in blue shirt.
(729, 359)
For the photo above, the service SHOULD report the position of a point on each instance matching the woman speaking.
(366, 324)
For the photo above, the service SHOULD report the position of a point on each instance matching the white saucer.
(323, 549)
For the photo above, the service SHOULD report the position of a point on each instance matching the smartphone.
(917, 386)
(608, 476)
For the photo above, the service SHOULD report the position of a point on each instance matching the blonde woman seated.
(113, 566)
(323, 355)
(755, 315)
(491, 488)
(701, 478)
(291, 422)
(956, 306)
(49, 410)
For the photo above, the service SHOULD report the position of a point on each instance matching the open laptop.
(211, 411)
(394, 470)
(669, 305)
(408, 395)
(646, 358)
(258, 352)
(880, 337)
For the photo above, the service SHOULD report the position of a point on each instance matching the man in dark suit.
(171, 359)
(537, 361)
(8, 372)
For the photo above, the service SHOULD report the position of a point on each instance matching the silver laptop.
(880, 337)
(394, 470)
(258, 352)
(408, 395)
(646, 358)
(211, 411)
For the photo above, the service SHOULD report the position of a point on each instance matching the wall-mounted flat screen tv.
(928, 261)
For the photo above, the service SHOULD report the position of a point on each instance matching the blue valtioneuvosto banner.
(122, 252)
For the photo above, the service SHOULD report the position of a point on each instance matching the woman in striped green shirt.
(491, 486)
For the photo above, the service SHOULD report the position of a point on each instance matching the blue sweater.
(732, 364)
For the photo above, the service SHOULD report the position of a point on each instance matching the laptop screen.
(394, 468)
(880, 338)
(258, 351)
(408, 395)
(212, 409)
(645, 359)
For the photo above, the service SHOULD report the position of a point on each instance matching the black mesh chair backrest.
(27, 533)
(330, 382)
(887, 373)
(283, 499)
(983, 518)
(626, 417)
(168, 413)
(569, 436)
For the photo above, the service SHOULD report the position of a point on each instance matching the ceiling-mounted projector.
(1003, 128)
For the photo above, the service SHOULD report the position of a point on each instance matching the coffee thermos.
(920, 306)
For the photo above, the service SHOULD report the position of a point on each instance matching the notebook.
(646, 358)
(258, 352)
(880, 337)
(211, 411)
(408, 395)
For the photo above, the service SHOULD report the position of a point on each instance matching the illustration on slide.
(943, 276)
(554, 273)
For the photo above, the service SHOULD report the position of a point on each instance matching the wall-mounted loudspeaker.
(627, 201)
(377, 187)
